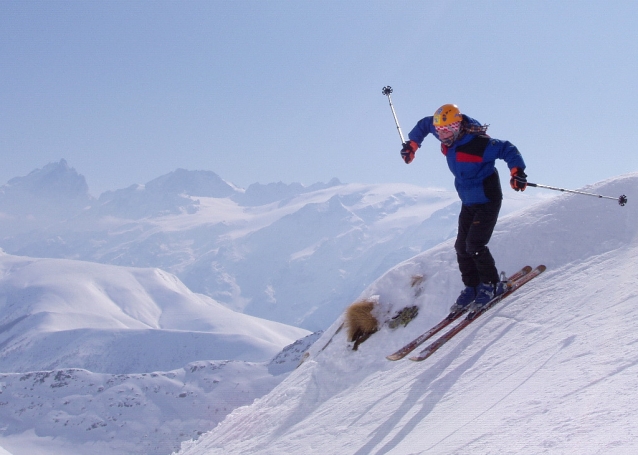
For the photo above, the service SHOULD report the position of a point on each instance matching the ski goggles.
(453, 128)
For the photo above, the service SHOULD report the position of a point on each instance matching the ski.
(449, 319)
(472, 316)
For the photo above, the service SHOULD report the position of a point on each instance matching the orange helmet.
(447, 115)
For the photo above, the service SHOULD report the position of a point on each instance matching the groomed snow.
(553, 369)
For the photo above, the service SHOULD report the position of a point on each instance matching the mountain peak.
(55, 180)
(192, 183)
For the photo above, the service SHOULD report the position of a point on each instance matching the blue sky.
(268, 91)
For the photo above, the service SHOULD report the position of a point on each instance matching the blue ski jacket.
(471, 158)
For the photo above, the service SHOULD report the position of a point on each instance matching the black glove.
(518, 182)
(408, 151)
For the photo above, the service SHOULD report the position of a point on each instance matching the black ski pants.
(476, 225)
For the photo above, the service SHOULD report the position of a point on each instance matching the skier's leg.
(480, 232)
(469, 273)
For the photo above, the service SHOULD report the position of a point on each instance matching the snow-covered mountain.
(76, 411)
(42, 198)
(59, 313)
(290, 253)
(93, 358)
(552, 369)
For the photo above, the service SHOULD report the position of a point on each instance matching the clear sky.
(268, 91)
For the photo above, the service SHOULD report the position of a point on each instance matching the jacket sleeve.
(421, 130)
(509, 153)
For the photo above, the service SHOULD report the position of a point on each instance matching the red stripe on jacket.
(467, 158)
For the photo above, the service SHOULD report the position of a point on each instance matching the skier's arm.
(421, 130)
(509, 153)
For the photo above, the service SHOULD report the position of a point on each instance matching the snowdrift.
(552, 369)
(57, 313)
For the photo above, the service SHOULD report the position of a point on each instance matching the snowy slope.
(553, 369)
(57, 313)
(288, 253)
(76, 411)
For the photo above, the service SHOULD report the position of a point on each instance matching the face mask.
(449, 133)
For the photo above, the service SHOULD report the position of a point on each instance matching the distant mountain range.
(287, 252)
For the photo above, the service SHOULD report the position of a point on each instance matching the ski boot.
(486, 292)
(464, 300)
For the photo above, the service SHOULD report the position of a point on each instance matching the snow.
(77, 411)
(123, 357)
(60, 313)
(107, 359)
(552, 369)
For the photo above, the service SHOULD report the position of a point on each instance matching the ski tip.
(421, 357)
(527, 268)
(542, 268)
(393, 357)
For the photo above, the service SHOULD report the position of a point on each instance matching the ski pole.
(387, 90)
(622, 200)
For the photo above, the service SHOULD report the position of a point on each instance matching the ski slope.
(552, 369)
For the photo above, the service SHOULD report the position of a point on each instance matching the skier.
(471, 154)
